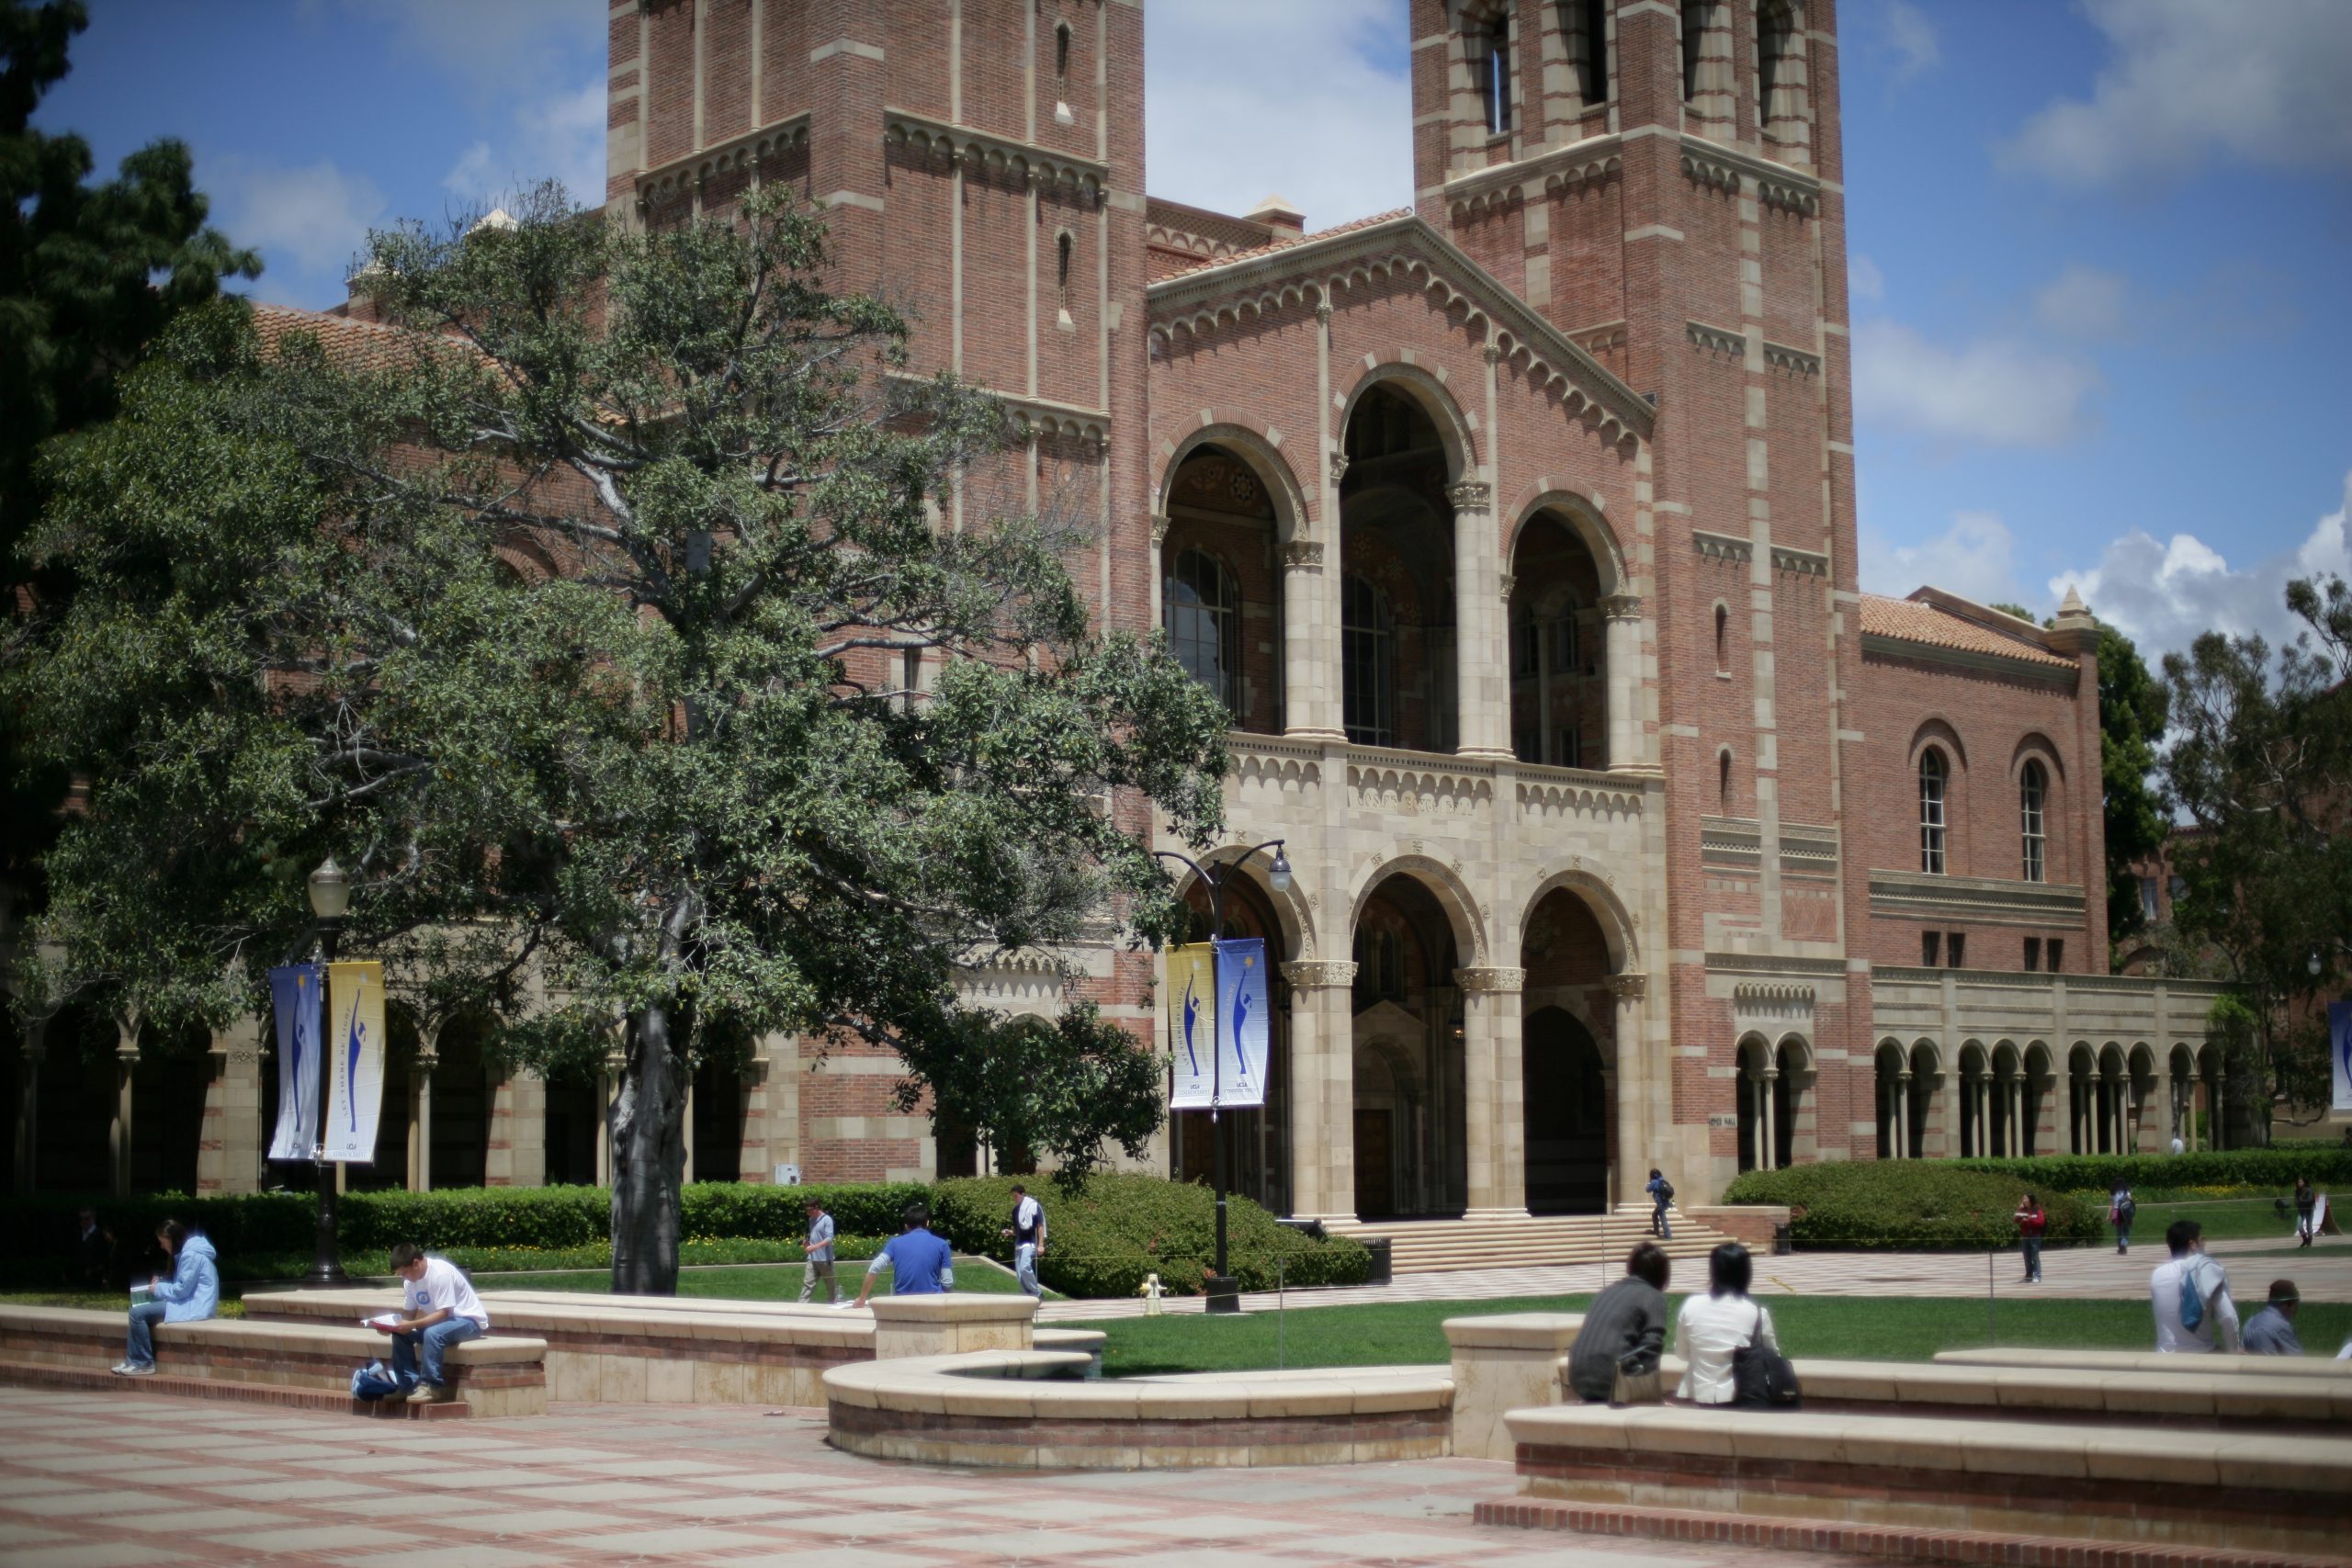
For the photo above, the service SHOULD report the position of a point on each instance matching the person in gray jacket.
(1629, 1315)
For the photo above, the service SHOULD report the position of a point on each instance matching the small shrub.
(1911, 1205)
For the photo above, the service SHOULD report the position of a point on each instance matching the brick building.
(1517, 530)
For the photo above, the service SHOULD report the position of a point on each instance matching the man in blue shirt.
(2271, 1331)
(921, 1264)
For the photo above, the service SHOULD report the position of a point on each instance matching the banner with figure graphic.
(1192, 1024)
(1243, 1035)
(294, 998)
(356, 1060)
(2339, 1042)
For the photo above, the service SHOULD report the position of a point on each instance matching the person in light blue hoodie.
(192, 1294)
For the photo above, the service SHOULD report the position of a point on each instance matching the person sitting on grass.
(1714, 1326)
(921, 1264)
(190, 1295)
(443, 1311)
(1625, 1325)
(2271, 1331)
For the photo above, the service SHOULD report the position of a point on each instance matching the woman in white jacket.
(1714, 1326)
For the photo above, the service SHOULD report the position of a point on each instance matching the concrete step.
(91, 1380)
(1429, 1246)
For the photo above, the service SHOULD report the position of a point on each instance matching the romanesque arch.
(1570, 1056)
(1411, 1125)
(1400, 618)
(1227, 503)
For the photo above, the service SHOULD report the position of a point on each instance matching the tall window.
(1490, 57)
(1063, 245)
(1696, 14)
(2031, 789)
(1367, 646)
(2149, 908)
(1723, 781)
(1722, 640)
(1203, 611)
(1585, 25)
(1061, 52)
(1931, 813)
(1775, 36)
(1548, 681)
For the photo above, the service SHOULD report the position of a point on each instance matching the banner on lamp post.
(2339, 1051)
(356, 1061)
(1243, 1035)
(294, 998)
(1192, 1025)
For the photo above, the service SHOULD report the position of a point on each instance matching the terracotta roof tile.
(1289, 241)
(1907, 620)
(353, 344)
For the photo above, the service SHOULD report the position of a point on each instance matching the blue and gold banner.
(1244, 1035)
(1192, 1025)
(294, 998)
(356, 1058)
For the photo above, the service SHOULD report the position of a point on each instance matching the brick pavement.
(92, 1481)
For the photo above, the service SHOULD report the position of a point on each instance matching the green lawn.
(1841, 1327)
(776, 1282)
(2223, 1219)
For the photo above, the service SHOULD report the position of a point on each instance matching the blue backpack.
(2192, 1299)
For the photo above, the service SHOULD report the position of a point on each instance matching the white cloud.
(1991, 392)
(560, 136)
(2085, 302)
(1863, 279)
(2194, 79)
(1228, 125)
(1913, 38)
(1975, 558)
(2165, 594)
(309, 219)
(497, 46)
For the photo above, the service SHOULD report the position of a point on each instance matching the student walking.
(1028, 1234)
(2121, 1208)
(2189, 1294)
(2306, 1204)
(2031, 1223)
(818, 1251)
(1661, 1193)
(921, 1262)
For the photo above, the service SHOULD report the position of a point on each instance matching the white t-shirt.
(1708, 1331)
(1029, 1215)
(443, 1285)
(2164, 1297)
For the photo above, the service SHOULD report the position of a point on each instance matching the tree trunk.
(649, 1160)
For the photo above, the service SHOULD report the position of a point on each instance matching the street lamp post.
(1221, 1296)
(330, 901)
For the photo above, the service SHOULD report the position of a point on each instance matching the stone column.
(419, 1116)
(608, 1088)
(118, 1135)
(227, 1157)
(686, 1128)
(1310, 649)
(1767, 1156)
(1633, 1153)
(752, 1158)
(1323, 1095)
(1495, 1119)
(1481, 648)
(1623, 648)
(34, 1046)
(1903, 1149)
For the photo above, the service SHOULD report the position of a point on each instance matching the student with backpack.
(2189, 1294)
(1661, 1193)
(2121, 1207)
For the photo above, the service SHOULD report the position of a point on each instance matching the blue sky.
(2102, 331)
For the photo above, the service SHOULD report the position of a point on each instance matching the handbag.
(1636, 1380)
(1761, 1378)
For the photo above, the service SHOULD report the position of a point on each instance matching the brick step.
(1431, 1246)
(90, 1380)
(1901, 1543)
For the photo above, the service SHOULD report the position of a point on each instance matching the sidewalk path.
(93, 1481)
(2322, 1273)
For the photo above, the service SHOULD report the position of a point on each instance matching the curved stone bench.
(1028, 1409)
(2137, 1486)
(2208, 1364)
(2273, 1403)
(502, 1376)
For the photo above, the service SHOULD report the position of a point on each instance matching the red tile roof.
(1907, 620)
(1286, 242)
(353, 344)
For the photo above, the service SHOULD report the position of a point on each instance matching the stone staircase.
(1431, 1246)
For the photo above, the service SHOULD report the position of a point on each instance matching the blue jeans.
(139, 1346)
(1658, 1222)
(2033, 1258)
(425, 1366)
(1024, 1268)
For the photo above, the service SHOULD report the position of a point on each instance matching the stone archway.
(1567, 1115)
(1409, 1032)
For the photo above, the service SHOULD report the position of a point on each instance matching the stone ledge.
(2151, 1361)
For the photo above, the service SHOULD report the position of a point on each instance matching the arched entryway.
(1892, 1080)
(1398, 670)
(2035, 1126)
(1924, 1135)
(1411, 1149)
(463, 1093)
(1775, 1112)
(1256, 1138)
(1568, 1054)
(575, 1125)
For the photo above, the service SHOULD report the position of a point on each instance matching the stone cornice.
(1777, 184)
(1723, 546)
(1716, 340)
(1552, 169)
(1981, 899)
(1041, 417)
(746, 151)
(2039, 673)
(1080, 177)
(1326, 974)
(1796, 361)
(1200, 301)
(1490, 980)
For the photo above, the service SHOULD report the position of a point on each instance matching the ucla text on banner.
(1243, 1039)
(294, 998)
(356, 1055)
(2339, 1049)
(1192, 1024)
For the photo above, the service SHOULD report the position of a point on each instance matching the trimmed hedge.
(1913, 1205)
(1119, 1227)
(2227, 1167)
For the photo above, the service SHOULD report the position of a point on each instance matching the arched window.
(1775, 36)
(1722, 640)
(1723, 781)
(1380, 965)
(1585, 25)
(1696, 14)
(1203, 611)
(1548, 680)
(1061, 52)
(1932, 780)
(1062, 246)
(1490, 56)
(2034, 788)
(1366, 653)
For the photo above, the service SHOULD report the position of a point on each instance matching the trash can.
(1378, 1246)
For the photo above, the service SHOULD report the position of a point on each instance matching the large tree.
(2262, 763)
(2131, 728)
(676, 785)
(89, 274)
